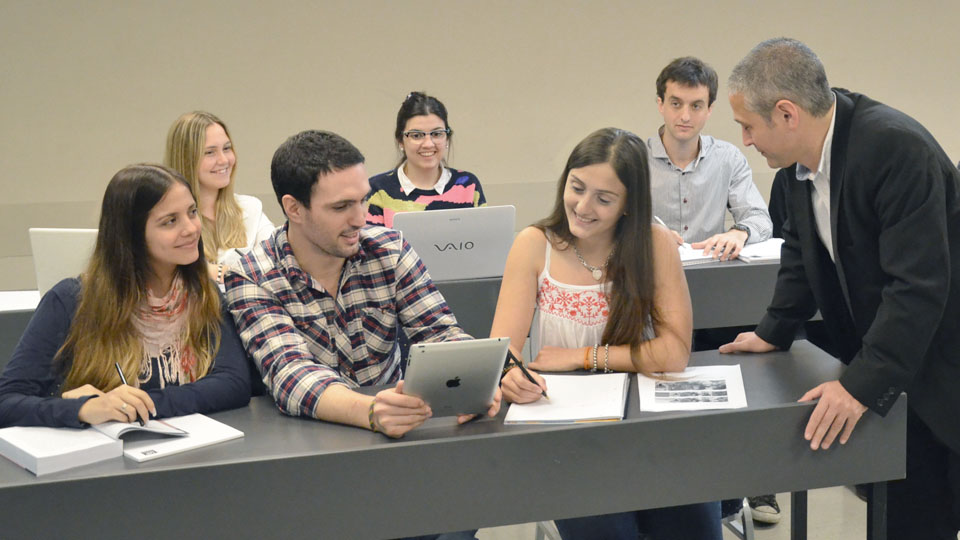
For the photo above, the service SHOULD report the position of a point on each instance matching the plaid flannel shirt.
(303, 340)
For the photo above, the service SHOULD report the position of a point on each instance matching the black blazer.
(892, 300)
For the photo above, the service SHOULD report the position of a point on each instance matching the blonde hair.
(115, 285)
(185, 143)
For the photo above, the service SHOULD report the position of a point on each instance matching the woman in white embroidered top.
(611, 295)
(199, 146)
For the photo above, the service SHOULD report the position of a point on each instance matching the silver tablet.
(456, 377)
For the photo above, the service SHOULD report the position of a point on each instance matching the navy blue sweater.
(30, 386)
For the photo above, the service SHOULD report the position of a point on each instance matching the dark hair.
(631, 266)
(121, 240)
(688, 71)
(304, 157)
(114, 287)
(419, 104)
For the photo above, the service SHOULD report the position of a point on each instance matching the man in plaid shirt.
(317, 303)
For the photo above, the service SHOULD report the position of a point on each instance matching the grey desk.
(473, 301)
(723, 294)
(295, 478)
(731, 293)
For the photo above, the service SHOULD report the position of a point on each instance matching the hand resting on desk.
(837, 410)
(725, 246)
(747, 342)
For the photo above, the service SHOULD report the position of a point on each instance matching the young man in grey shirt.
(695, 178)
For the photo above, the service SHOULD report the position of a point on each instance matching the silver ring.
(124, 406)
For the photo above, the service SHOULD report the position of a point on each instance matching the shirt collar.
(658, 151)
(289, 261)
(804, 173)
(407, 186)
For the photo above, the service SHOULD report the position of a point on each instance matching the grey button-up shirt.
(693, 201)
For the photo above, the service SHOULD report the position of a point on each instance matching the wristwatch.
(744, 228)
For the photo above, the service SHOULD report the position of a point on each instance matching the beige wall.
(88, 87)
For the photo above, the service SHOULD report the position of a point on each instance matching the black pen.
(525, 372)
(124, 381)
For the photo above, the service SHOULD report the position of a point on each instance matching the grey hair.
(781, 68)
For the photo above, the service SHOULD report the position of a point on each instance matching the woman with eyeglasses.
(200, 147)
(422, 180)
(144, 307)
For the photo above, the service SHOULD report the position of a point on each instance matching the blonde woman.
(200, 147)
(145, 304)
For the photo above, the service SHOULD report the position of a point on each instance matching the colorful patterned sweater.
(387, 197)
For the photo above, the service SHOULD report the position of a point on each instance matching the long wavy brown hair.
(185, 143)
(114, 286)
(630, 269)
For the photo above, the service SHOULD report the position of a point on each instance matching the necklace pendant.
(597, 274)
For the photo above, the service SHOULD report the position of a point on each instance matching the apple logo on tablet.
(453, 383)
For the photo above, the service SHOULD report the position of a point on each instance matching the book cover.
(45, 450)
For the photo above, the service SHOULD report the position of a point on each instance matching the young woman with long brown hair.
(610, 295)
(145, 303)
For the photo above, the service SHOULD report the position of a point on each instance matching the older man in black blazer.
(872, 240)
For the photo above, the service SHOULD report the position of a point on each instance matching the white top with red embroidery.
(568, 316)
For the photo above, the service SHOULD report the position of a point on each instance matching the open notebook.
(44, 450)
(575, 398)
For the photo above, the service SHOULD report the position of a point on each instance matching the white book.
(44, 450)
(199, 431)
(690, 256)
(575, 398)
(768, 250)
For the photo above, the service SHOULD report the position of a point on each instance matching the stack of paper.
(575, 398)
(690, 256)
(768, 250)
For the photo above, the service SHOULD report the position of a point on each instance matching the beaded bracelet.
(606, 358)
(595, 347)
(373, 427)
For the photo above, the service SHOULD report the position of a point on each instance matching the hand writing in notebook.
(122, 404)
(518, 389)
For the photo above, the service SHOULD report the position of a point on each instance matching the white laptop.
(60, 253)
(461, 243)
(456, 377)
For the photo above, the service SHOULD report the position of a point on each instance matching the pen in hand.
(124, 381)
(526, 373)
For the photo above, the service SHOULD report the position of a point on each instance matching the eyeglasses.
(436, 135)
